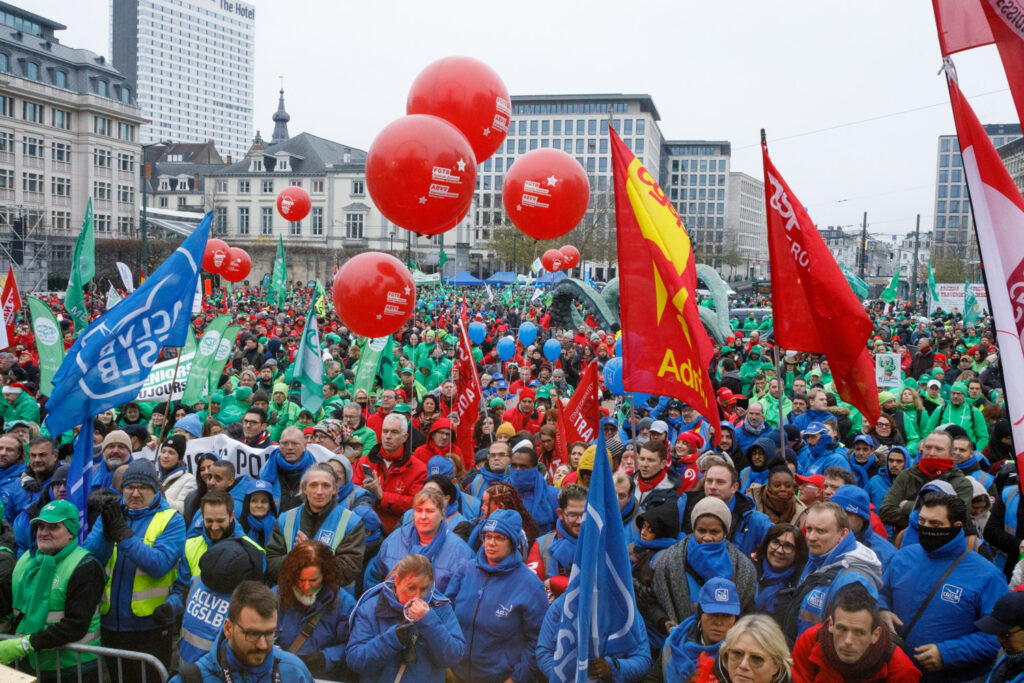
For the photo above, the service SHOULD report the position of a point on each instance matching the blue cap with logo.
(719, 596)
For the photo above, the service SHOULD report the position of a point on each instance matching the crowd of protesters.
(799, 543)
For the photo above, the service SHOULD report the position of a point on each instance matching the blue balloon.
(506, 347)
(618, 347)
(527, 333)
(613, 376)
(552, 350)
(477, 332)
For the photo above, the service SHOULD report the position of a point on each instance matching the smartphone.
(367, 472)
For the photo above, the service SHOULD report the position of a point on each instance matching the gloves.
(115, 526)
(315, 662)
(404, 633)
(164, 613)
(599, 668)
(13, 649)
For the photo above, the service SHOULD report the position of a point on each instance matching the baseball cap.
(814, 428)
(863, 438)
(60, 511)
(496, 403)
(719, 596)
(501, 384)
(854, 500)
(934, 382)
(814, 480)
(659, 426)
(1007, 613)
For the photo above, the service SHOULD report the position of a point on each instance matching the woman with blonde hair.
(754, 651)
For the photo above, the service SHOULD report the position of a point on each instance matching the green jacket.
(966, 416)
(24, 407)
(899, 501)
(771, 409)
(282, 416)
(914, 425)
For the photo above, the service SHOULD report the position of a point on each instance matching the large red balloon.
(374, 294)
(215, 255)
(570, 256)
(552, 260)
(421, 174)
(237, 266)
(546, 193)
(293, 203)
(468, 94)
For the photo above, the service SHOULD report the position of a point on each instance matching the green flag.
(320, 296)
(858, 286)
(83, 268)
(442, 259)
(309, 365)
(369, 362)
(227, 342)
(279, 279)
(972, 310)
(933, 290)
(195, 386)
(190, 341)
(890, 293)
(387, 366)
(112, 297)
(49, 343)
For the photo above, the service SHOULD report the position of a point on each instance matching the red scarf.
(646, 485)
(934, 467)
(392, 457)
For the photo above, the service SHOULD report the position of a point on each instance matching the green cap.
(885, 397)
(544, 392)
(495, 402)
(58, 511)
(959, 386)
(402, 408)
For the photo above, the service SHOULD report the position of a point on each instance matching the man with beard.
(117, 451)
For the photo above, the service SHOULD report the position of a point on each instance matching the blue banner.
(111, 359)
(80, 477)
(600, 571)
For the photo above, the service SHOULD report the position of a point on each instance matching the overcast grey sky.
(716, 70)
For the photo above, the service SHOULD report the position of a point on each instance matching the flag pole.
(778, 365)
(167, 406)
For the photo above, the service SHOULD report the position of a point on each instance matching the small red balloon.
(293, 203)
(237, 266)
(552, 260)
(374, 294)
(546, 193)
(215, 255)
(421, 174)
(570, 256)
(468, 94)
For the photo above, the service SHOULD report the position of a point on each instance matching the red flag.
(665, 349)
(813, 308)
(580, 418)
(467, 396)
(10, 302)
(998, 210)
(966, 24)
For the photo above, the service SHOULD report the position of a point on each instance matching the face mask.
(304, 599)
(522, 478)
(932, 538)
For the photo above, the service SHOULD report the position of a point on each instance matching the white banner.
(951, 297)
(158, 384)
(126, 277)
(888, 372)
(246, 459)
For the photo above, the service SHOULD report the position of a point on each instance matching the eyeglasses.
(737, 656)
(135, 488)
(777, 545)
(572, 516)
(254, 636)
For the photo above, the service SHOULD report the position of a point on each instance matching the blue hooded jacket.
(746, 438)
(500, 609)
(826, 454)
(446, 552)
(682, 648)
(966, 595)
(330, 636)
(374, 650)
(878, 486)
(803, 419)
(289, 666)
(759, 475)
(540, 499)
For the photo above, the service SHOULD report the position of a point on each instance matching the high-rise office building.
(191, 63)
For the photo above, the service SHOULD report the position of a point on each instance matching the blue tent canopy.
(550, 278)
(502, 278)
(464, 279)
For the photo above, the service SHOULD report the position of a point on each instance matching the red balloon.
(552, 260)
(421, 174)
(374, 294)
(570, 256)
(468, 94)
(293, 203)
(238, 265)
(546, 193)
(215, 255)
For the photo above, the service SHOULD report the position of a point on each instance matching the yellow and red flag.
(665, 349)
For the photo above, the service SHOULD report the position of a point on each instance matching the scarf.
(646, 485)
(870, 663)
(37, 585)
(770, 584)
(627, 511)
(259, 530)
(532, 488)
(816, 562)
(777, 510)
(490, 477)
(747, 429)
(563, 548)
(506, 566)
(430, 550)
(276, 462)
(822, 447)
(978, 460)
(708, 559)
(656, 544)
(861, 471)
(392, 457)
(934, 467)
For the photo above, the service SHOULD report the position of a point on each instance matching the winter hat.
(692, 438)
(885, 397)
(177, 442)
(141, 472)
(719, 596)
(191, 424)
(495, 403)
(714, 507)
(230, 561)
(854, 500)
(646, 423)
(508, 523)
(119, 437)
(959, 386)
(586, 462)
(440, 465)
(331, 428)
(662, 519)
(505, 429)
(60, 511)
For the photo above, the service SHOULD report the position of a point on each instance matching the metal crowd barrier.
(103, 672)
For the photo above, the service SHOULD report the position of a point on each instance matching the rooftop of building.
(646, 102)
(309, 155)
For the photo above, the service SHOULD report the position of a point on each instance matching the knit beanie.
(505, 429)
(710, 505)
(177, 442)
(508, 523)
(141, 472)
(230, 561)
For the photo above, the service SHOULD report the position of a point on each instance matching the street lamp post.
(391, 240)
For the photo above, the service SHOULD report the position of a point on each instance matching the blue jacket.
(447, 557)
(132, 554)
(803, 419)
(835, 457)
(180, 588)
(12, 495)
(540, 499)
(1014, 678)
(374, 650)
(203, 620)
(626, 666)
(360, 501)
(966, 595)
(24, 539)
(878, 486)
(749, 525)
(746, 439)
(682, 648)
(330, 636)
(882, 548)
(500, 609)
(289, 666)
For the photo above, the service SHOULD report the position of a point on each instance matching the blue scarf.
(506, 566)
(490, 477)
(861, 471)
(563, 548)
(977, 459)
(816, 562)
(259, 530)
(166, 476)
(276, 461)
(532, 488)
(628, 510)
(822, 447)
(685, 648)
(771, 583)
(708, 559)
(412, 540)
(344, 490)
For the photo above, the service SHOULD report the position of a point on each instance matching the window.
(294, 228)
(6, 106)
(60, 79)
(60, 118)
(102, 221)
(257, 165)
(162, 202)
(295, 183)
(640, 126)
(592, 127)
(627, 127)
(266, 220)
(358, 188)
(5, 62)
(60, 220)
(220, 220)
(101, 157)
(126, 131)
(267, 187)
(940, 206)
(222, 186)
(243, 187)
(124, 224)
(182, 184)
(60, 252)
(32, 182)
(944, 145)
(316, 221)
(31, 71)
(182, 202)
(943, 191)
(32, 147)
(101, 125)
(102, 88)
(165, 185)
(243, 220)
(126, 194)
(556, 127)
(317, 186)
(101, 190)
(126, 95)
(6, 179)
(354, 223)
(60, 187)
(32, 112)
(126, 162)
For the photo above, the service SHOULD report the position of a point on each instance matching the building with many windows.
(746, 230)
(69, 130)
(192, 65)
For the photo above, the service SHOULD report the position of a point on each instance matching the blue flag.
(80, 477)
(600, 571)
(111, 359)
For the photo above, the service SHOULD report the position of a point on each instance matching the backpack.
(787, 606)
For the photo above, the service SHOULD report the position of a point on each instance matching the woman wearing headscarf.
(174, 478)
(500, 604)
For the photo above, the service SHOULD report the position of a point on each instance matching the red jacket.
(522, 421)
(399, 483)
(809, 665)
(375, 421)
